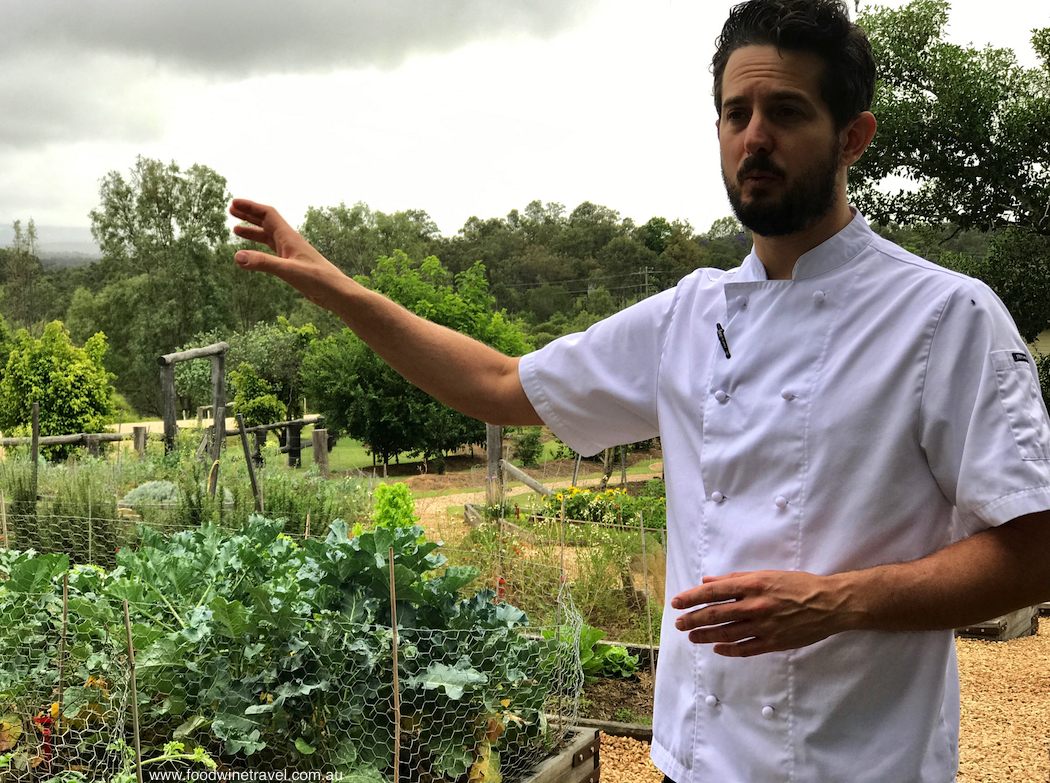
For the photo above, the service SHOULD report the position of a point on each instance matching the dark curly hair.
(821, 27)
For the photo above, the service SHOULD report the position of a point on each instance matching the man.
(856, 451)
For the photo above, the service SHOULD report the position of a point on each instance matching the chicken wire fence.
(253, 651)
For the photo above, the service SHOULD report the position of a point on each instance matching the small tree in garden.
(255, 400)
(71, 384)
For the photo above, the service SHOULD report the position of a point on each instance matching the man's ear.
(856, 137)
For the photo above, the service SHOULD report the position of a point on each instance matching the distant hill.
(59, 246)
(53, 258)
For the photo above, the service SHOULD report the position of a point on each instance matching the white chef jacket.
(871, 410)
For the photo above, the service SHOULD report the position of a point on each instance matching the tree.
(70, 384)
(361, 396)
(274, 352)
(254, 399)
(353, 238)
(1017, 268)
(22, 273)
(142, 218)
(967, 126)
(160, 231)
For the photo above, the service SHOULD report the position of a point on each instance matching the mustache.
(759, 163)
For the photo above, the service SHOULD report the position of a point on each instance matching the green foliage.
(153, 493)
(611, 506)
(254, 398)
(274, 352)
(293, 496)
(354, 238)
(599, 659)
(161, 231)
(361, 396)
(966, 125)
(527, 447)
(393, 507)
(1017, 268)
(266, 648)
(70, 384)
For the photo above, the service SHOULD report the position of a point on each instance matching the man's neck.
(779, 254)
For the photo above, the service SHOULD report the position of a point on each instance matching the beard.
(808, 199)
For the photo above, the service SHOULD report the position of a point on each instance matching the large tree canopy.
(966, 126)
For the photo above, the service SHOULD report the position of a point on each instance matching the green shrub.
(527, 447)
(393, 507)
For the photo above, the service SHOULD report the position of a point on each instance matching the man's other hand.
(755, 612)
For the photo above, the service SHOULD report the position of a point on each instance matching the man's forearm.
(461, 372)
(983, 576)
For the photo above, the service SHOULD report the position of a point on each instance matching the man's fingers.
(254, 234)
(251, 211)
(713, 589)
(255, 261)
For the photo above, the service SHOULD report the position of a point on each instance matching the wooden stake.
(397, 693)
(34, 452)
(62, 650)
(251, 466)
(648, 608)
(3, 519)
(134, 694)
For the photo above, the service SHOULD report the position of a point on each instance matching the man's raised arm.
(459, 371)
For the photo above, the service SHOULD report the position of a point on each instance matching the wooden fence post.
(91, 441)
(294, 445)
(167, 391)
(139, 436)
(218, 433)
(320, 441)
(218, 383)
(493, 473)
(34, 450)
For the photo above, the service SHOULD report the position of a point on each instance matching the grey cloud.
(89, 69)
(55, 98)
(241, 37)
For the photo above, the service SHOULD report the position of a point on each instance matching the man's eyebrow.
(779, 95)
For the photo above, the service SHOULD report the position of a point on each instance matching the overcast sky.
(457, 107)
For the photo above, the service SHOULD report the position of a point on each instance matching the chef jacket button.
(768, 712)
(721, 396)
(781, 501)
(787, 394)
(711, 700)
(741, 301)
(818, 297)
(717, 496)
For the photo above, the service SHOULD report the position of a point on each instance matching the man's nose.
(758, 136)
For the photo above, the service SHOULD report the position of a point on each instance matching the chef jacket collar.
(828, 255)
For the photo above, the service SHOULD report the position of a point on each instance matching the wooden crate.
(1023, 622)
(578, 762)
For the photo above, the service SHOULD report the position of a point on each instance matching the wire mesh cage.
(367, 653)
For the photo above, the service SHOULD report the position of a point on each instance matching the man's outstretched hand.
(295, 260)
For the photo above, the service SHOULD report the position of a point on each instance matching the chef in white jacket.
(856, 450)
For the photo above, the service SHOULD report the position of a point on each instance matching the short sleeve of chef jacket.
(598, 388)
(984, 425)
